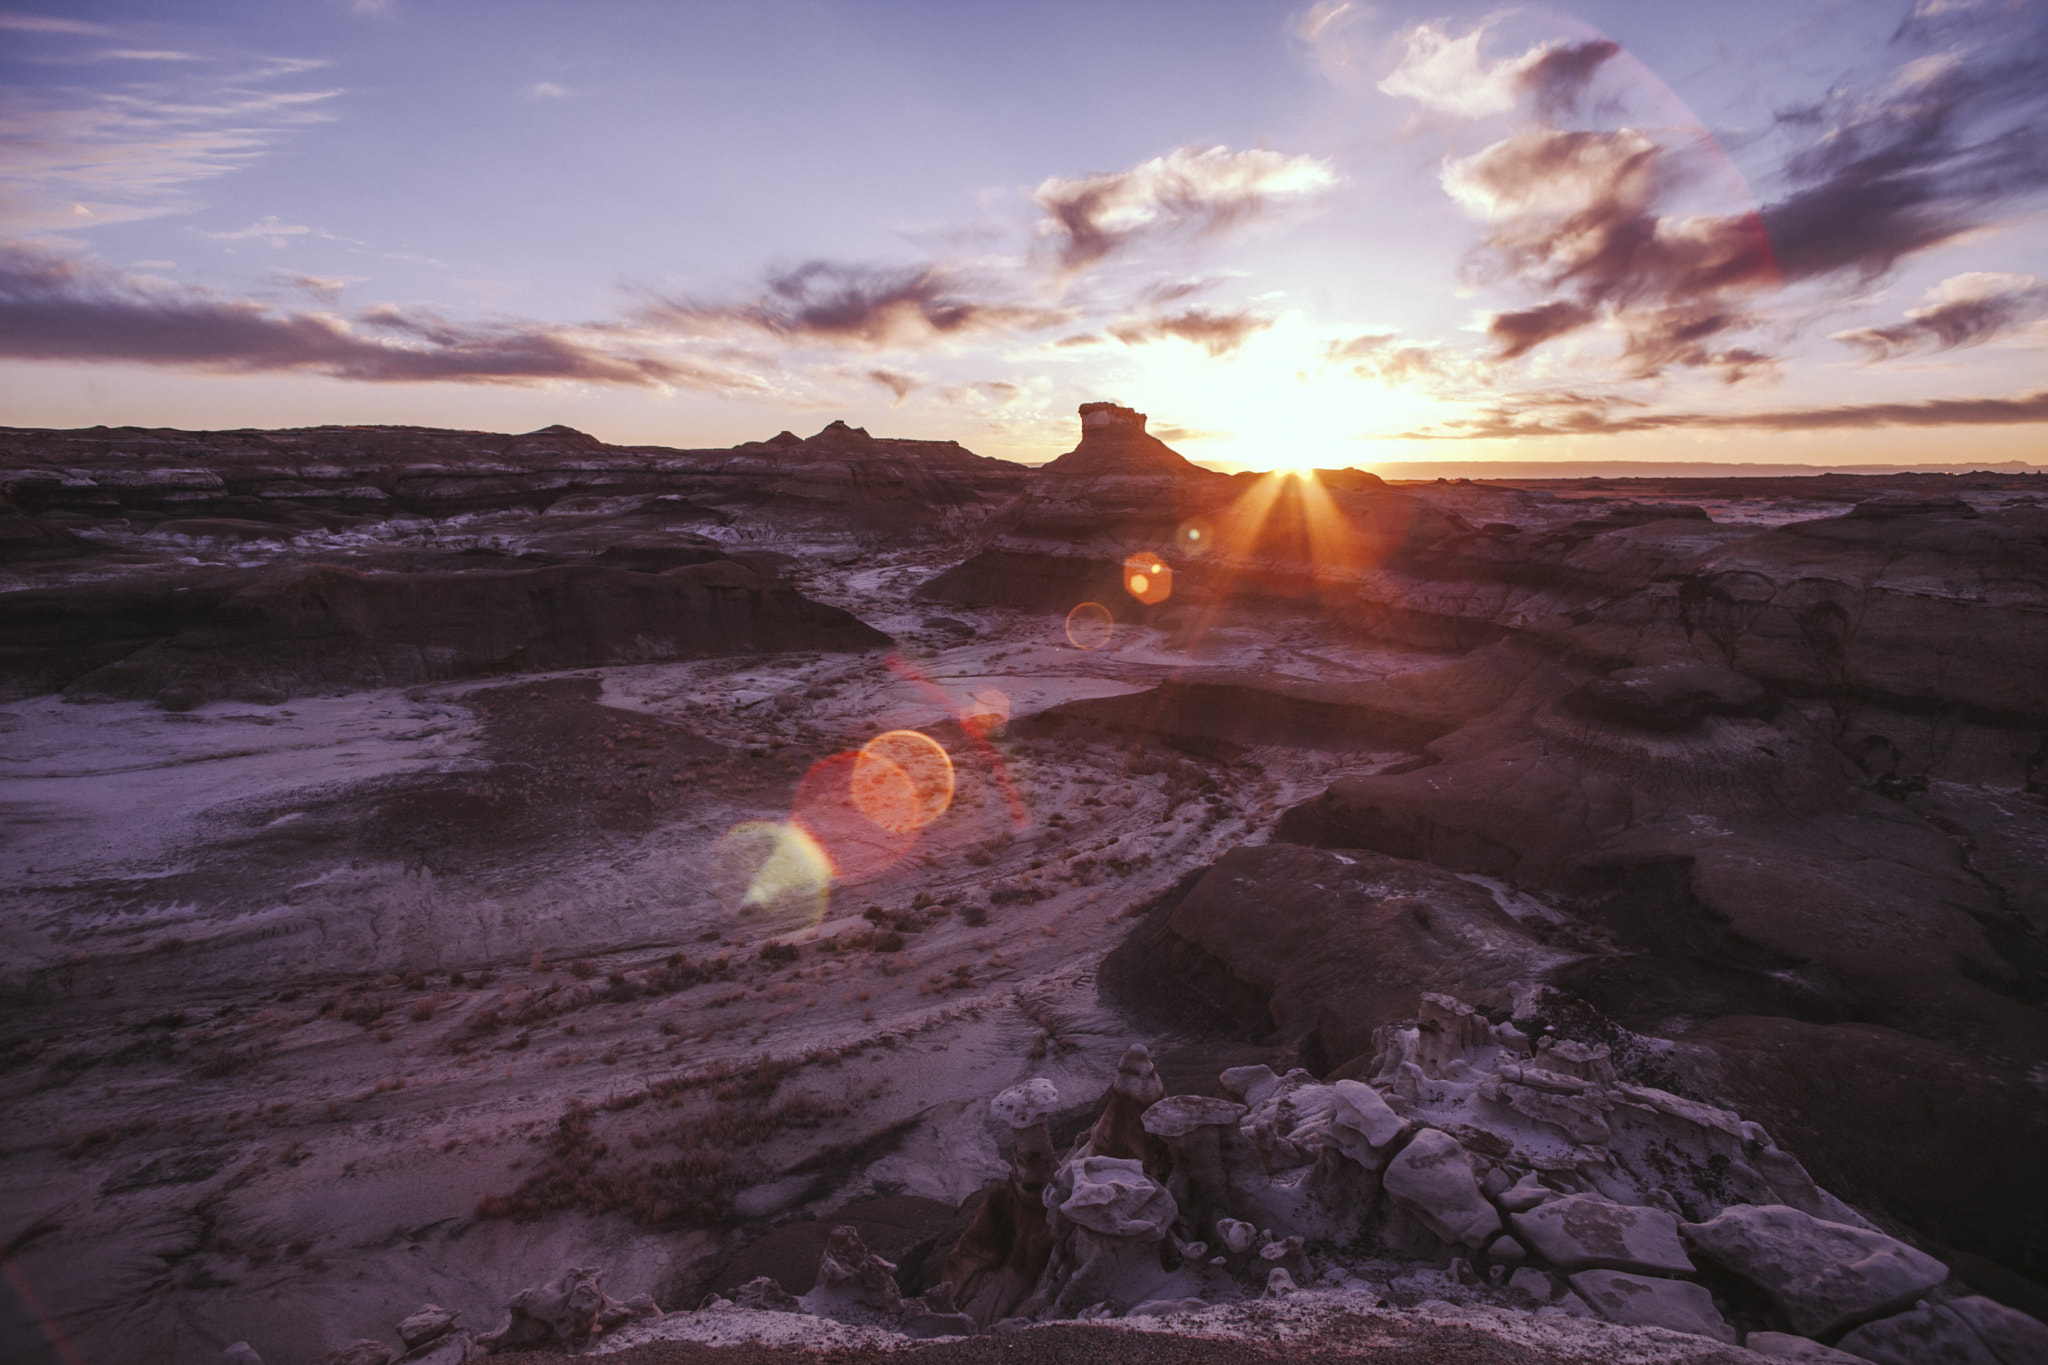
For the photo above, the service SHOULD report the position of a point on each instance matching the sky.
(1329, 234)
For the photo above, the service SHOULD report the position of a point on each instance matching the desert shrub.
(779, 953)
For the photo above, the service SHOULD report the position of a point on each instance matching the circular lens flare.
(902, 781)
(1195, 536)
(990, 714)
(774, 869)
(1090, 626)
(1147, 578)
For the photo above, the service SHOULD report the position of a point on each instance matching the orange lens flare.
(1147, 578)
(902, 781)
(1090, 626)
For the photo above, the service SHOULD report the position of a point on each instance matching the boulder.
(1584, 1231)
(1934, 1335)
(1640, 1301)
(1432, 1177)
(1285, 940)
(1111, 1218)
(1823, 1276)
(241, 1353)
(430, 1321)
(2013, 1337)
(1362, 1125)
(1112, 1196)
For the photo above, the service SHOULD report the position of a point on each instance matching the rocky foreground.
(1576, 921)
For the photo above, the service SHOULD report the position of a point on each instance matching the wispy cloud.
(838, 304)
(1579, 415)
(1202, 192)
(274, 231)
(72, 157)
(1220, 334)
(53, 308)
(326, 288)
(1963, 310)
(18, 22)
(547, 90)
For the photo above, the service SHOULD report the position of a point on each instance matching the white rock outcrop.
(1823, 1276)
(1432, 1178)
(1645, 1301)
(1584, 1231)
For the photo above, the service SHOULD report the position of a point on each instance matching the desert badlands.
(842, 897)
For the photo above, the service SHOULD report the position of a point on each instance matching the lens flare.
(990, 714)
(902, 781)
(774, 869)
(1195, 536)
(1090, 626)
(1147, 578)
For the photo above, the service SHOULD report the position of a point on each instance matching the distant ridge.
(1662, 469)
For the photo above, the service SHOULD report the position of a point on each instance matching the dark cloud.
(1521, 332)
(1579, 415)
(1185, 190)
(1947, 143)
(1951, 139)
(894, 381)
(1557, 76)
(52, 308)
(1079, 339)
(1219, 334)
(1969, 310)
(834, 303)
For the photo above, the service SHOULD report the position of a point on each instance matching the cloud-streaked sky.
(1325, 234)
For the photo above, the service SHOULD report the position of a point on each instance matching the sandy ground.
(292, 988)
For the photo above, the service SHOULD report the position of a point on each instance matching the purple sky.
(1326, 235)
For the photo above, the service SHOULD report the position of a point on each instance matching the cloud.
(270, 229)
(1963, 310)
(1583, 219)
(325, 288)
(1523, 331)
(829, 303)
(52, 308)
(1577, 415)
(1393, 359)
(1447, 75)
(16, 21)
(547, 90)
(1203, 192)
(1882, 175)
(894, 381)
(1576, 214)
(1219, 334)
(119, 151)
